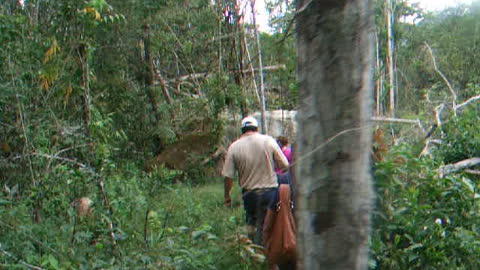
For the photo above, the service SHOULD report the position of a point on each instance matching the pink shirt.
(287, 151)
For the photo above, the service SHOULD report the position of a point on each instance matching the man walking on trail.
(254, 156)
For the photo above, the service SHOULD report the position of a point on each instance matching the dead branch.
(69, 160)
(27, 143)
(250, 66)
(438, 113)
(179, 43)
(244, 71)
(454, 95)
(470, 100)
(305, 6)
(426, 148)
(164, 87)
(61, 151)
(452, 168)
(397, 120)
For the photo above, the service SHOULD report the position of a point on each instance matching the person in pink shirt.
(283, 175)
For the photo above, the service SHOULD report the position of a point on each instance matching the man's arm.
(228, 184)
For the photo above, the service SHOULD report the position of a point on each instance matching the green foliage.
(282, 85)
(423, 221)
(156, 225)
(452, 34)
(76, 120)
(461, 138)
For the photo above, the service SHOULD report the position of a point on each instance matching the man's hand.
(227, 188)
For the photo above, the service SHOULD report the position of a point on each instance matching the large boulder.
(187, 151)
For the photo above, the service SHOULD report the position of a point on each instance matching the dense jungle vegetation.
(112, 112)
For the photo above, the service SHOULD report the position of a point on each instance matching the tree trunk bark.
(390, 56)
(379, 79)
(260, 70)
(85, 84)
(335, 43)
(149, 72)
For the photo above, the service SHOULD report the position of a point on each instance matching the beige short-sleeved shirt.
(254, 157)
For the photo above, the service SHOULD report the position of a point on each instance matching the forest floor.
(217, 231)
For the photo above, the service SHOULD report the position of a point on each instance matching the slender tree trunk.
(252, 69)
(390, 56)
(335, 43)
(85, 84)
(379, 79)
(149, 70)
(220, 47)
(260, 70)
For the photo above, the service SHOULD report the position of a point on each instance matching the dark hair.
(282, 140)
(249, 128)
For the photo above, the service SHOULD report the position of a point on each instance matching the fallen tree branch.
(244, 71)
(398, 120)
(64, 159)
(395, 120)
(455, 167)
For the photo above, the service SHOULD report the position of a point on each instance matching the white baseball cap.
(249, 122)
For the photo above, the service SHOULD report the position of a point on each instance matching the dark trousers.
(255, 203)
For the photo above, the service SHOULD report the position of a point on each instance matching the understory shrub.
(423, 221)
(460, 137)
(138, 221)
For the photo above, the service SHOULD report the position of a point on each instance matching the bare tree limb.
(454, 95)
(470, 100)
(438, 114)
(455, 167)
(244, 71)
(305, 6)
(69, 160)
(179, 44)
(61, 151)
(396, 120)
(426, 148)
(251, 68)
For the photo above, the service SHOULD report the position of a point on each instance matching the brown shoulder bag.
(279, 231)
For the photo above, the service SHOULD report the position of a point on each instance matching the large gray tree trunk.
(335, 45)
